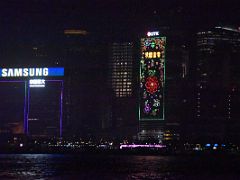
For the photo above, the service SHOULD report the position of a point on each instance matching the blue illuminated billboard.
(32, 72)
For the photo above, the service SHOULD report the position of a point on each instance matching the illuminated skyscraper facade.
(121, 82)
(121, 65)
(152, 86)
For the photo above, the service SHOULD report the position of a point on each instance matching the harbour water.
(106, 166)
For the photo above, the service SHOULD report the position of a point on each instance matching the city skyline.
(81, 36)
(120, 89)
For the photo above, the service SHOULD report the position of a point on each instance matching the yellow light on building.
(75, 32)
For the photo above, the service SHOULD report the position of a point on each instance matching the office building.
(121, 69)
(217, 82)
(152, 86)
(121, 81)
(166, 126)
(85, 57)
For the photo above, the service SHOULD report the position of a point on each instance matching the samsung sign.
(32, 72)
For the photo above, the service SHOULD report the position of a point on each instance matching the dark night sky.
(38, 19)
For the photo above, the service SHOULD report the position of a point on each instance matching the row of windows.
(121, 56)
(122, 73)
(123, 94)
(122, 65)
(121, 86)
(125, 71)
(122, 68)
(121, 59)
(117, 72)
(122, 79)
(121, 51)
(122, 76)
(121, 62)
(122, 47)
(128, 80)
(119, 89)
(123, 90)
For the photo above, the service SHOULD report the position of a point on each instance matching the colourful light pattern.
(142, 146)
(152, 84)
(152, 78)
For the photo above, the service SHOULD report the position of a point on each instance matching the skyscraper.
(85, 56)
(152, 86)
(121, 65)
(12, 107)
(121, 81)
(217, 79)
(45, 110)
(176, 71)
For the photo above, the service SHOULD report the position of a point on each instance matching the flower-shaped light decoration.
(152, 84)
(147, 108)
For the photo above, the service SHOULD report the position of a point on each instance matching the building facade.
(217, 81)
(122, 84)
(152, 86)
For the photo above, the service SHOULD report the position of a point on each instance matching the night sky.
(44, 19)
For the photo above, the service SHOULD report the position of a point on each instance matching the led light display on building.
(152, 78)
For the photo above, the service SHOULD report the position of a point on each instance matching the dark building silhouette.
(216, 83)
(12, 108)
(45, 110)
(177, 80)
(85, 57)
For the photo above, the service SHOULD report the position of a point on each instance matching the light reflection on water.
(57, 166)
(28, 165)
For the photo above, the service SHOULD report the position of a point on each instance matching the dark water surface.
(56, 166)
